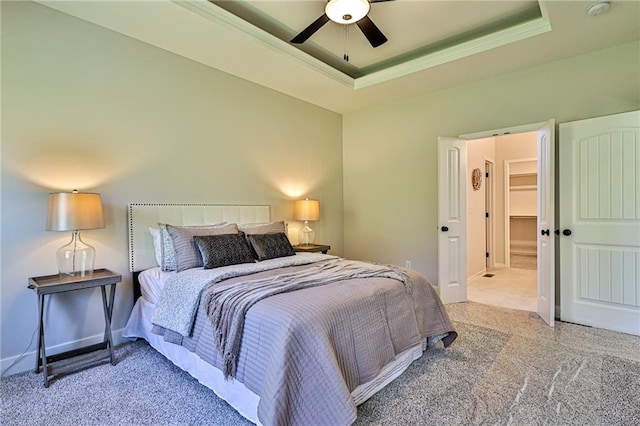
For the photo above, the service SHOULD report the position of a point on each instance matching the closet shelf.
(522, 216)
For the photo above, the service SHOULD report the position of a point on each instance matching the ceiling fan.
(346, 12)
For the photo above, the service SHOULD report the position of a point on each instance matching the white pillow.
(157, 244)
(263, 228)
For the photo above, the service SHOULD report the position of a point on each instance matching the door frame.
(489, 208)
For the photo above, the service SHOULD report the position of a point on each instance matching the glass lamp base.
(306, 235)
(76, 258)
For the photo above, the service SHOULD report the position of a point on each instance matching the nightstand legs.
(108, 310)
(41, 356)
(107, 343)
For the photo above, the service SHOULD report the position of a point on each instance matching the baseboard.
(20, 363)
(477, 274)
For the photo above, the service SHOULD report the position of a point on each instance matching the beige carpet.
(509, 368)
(506, 368)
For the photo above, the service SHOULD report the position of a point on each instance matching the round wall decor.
(476, 179)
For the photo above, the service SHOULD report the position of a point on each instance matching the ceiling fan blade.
(371, 32)
(310, 30)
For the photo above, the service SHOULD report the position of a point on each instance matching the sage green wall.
(84, 107)
(390, 151)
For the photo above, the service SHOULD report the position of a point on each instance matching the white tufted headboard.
(144, 215)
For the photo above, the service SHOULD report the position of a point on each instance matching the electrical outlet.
(407, 264)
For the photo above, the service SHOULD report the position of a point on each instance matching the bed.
(286, 338)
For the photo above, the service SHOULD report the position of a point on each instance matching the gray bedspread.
(227, 304)
(303, 352)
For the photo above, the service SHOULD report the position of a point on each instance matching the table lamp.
(75, 211)
(306, 210)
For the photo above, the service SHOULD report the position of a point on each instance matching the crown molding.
(463, 50)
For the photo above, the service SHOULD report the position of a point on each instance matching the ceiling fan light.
(347, 11)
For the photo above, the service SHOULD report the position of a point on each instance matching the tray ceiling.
(433, 44)
(415, 29)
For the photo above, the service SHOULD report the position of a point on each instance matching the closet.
(523, 218)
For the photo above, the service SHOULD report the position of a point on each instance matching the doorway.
(508, 208)
(453, 247)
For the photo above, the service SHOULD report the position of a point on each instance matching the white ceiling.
(433, 44)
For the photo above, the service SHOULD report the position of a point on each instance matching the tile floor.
(513, 288)
(524, 261)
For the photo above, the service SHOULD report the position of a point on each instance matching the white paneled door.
(545, 247)
(600, 222)
(452, 218)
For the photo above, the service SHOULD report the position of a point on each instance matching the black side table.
(87, 355)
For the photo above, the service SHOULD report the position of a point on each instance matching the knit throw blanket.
(178, 303)
(227, 304)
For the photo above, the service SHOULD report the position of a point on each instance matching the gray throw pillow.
(167, 251)
(187, 254)
(271, 246)
(223, 250)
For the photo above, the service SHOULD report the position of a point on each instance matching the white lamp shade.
(347, 11)
(73, 211)
(306, 210)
